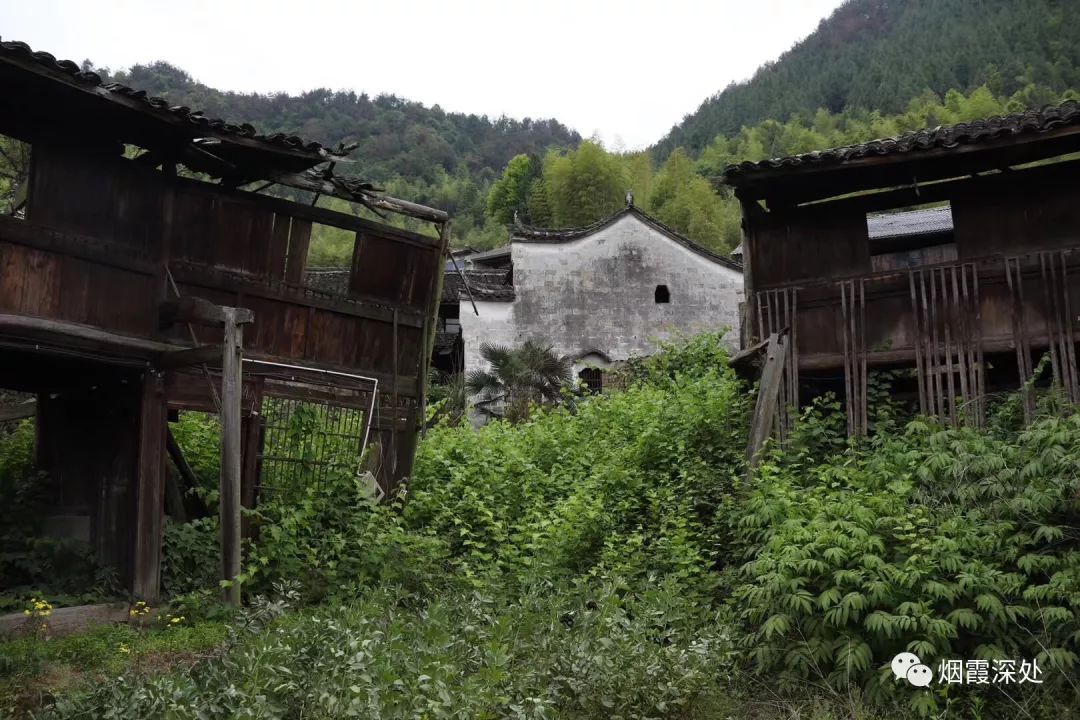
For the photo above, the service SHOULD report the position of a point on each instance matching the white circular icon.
(903, 662)
(919, 675)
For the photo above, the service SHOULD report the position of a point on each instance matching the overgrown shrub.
(615, 560)
(948, 543)
(549, 653)
(190, 556)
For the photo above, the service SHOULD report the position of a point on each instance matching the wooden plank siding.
(92, 245)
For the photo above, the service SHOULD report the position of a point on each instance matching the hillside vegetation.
(442, 159)
(878, 54)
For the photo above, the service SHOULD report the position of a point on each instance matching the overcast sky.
(626, 70)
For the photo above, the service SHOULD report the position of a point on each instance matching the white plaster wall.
(494, 324)
(596, 295)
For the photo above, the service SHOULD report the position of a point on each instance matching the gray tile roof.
(942, 137)
(928, 221)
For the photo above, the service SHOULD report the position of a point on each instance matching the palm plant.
(517, 378)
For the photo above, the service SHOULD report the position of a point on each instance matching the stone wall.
(596, 296)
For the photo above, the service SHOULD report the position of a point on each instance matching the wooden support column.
(150, 494)
(232, 320)
(229, 504)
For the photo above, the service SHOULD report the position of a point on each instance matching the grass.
(35, 669)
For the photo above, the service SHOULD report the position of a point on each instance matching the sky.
(625, 71)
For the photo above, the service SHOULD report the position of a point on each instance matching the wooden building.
(140, 227)
(971, 300)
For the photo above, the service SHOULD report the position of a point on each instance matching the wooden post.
(229, 504)
(253, 437)
(768, 392)
(150, 497)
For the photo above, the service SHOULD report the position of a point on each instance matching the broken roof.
(918, 156)
(58, 98)
(486, 285)
(55, 101)
(527, 234)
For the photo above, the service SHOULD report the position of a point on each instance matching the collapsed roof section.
(55, 101)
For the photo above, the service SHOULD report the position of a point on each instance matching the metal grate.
(304, 443)
(314, 426)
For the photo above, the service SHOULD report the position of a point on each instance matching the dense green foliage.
(877, 54)
(613, 560)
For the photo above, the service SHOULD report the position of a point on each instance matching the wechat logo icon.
(908, 666)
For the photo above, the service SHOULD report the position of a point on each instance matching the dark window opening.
(14, 176)
(662, 294)
(593, 379)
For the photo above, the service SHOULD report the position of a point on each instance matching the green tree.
(686, 202)
(510, 193)
(518, 378)
(584, 185)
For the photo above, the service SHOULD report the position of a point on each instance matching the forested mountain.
(878, 54)
(446, 160)
(396, 137)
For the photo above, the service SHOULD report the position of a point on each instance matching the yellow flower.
(25, 612)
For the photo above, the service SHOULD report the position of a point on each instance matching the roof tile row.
(946, 137)
(20, 50)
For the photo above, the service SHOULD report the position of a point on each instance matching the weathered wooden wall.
(126, 223)
(1004, 285)
(106, 241)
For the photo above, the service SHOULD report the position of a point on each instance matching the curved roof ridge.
(941, 137)
(529, 234)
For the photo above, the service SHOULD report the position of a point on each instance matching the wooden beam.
(374, 200)
(252, 431)
(35, 328)
(180, 462)
(153, 423)
(71, 620)
(941, 190)
(197, 276)
(323, 216)
(768, 392)
(21, 411)
(204, 355)
(296, 259)
(229, 502)
(192, 309)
